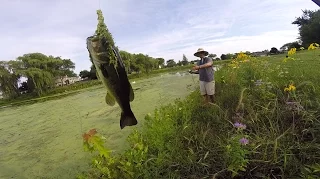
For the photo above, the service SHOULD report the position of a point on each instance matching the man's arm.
(208, 64)
(196, 67)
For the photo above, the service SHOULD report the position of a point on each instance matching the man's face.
(201, 55)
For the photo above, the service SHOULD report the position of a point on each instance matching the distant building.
(260, 53)
(66, 80)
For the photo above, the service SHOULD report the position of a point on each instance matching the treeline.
(41, 72)
(44, 72)
(139, 63)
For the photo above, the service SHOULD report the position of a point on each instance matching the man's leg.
(210, 88)
(203, 91)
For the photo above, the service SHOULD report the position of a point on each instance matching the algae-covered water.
(44, 140)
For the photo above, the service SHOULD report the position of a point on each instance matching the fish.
(113, 76)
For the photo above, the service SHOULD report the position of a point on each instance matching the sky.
(159, 28)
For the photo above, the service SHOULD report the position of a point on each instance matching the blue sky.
(159, 28)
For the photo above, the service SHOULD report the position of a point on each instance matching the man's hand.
(196, 67)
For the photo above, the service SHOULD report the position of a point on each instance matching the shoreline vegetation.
(63, 91)
(264, 125)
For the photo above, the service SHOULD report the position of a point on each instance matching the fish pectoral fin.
(110, 99)
(131, 94)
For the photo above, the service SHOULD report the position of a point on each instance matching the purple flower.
(239, 125)
(244, 141)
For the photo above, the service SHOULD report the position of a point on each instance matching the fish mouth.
(98, 44)
(97, 48)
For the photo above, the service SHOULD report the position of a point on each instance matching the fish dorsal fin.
(131, 93)
(110, 99)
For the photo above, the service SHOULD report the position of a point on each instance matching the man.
(206, 75)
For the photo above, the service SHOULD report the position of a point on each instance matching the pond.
(44, 140)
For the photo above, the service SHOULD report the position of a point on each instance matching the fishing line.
(80, 118)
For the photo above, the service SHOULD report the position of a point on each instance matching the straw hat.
(200, 50)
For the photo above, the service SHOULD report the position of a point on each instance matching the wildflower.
(290, 88)
(241, 56)
(244, 141)
(313, 46)
(239, 125)
(292, 51)
(301, 48)
(288, 58)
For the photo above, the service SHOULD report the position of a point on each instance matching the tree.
(161, 61)
(144, 62)
(41, 70)
(65, 67)
(217, 59)
(290, 45)
(212, 56)
(309, 27)
(171, 63)
(93, 72)
(84, 74)
(127, 60)
(8, 80)
(24, 86)
(274, 50)
(184, 60)
(223, 57)
(179, 63)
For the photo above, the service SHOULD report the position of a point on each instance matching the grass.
(188, 140)
(42, 140)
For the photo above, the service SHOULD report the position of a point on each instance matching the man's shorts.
(207, 88)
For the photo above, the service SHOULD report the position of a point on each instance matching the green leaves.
(309, 26)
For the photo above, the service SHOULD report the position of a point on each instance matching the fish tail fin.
(127, 119)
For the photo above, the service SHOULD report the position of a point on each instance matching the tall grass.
(189, 140)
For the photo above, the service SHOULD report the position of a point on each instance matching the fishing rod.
(317, 2)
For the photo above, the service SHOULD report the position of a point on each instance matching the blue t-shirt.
(206, 74)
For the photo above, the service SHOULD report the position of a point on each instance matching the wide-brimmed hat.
(201, 50)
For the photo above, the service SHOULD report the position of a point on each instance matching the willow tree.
(42, 70)
(8, 80)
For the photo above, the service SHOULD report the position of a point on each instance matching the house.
(66, 80)
(260, 53)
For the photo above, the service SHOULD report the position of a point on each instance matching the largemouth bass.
(113, 76)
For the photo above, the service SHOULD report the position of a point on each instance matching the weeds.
(262, 126)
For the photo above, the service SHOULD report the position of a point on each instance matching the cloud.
(158, 28)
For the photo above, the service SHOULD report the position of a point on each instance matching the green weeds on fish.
(111, 71)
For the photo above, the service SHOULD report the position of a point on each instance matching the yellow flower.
(292, 51)
(288, 58)
(290, 88)
(313, 46)
(241, 56)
